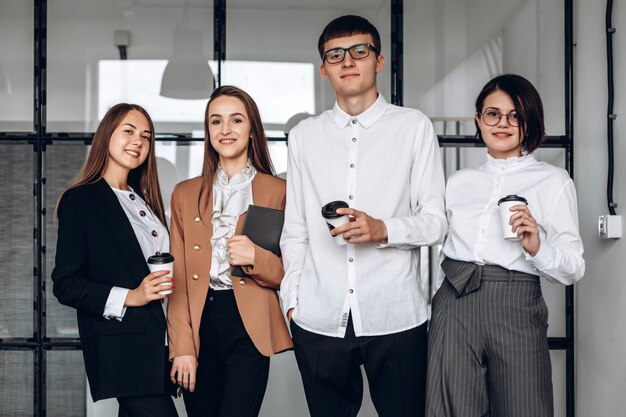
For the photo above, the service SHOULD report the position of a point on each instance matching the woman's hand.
(184, 371)
(241, 251)
(525, 225)
(149, 289)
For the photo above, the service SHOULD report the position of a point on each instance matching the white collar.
(508, 164)
(366, 119)
(239, 180)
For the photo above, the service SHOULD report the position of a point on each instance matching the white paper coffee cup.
(505, 215)
(329, 212)
(162, 262)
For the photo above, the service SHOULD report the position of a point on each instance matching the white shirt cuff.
(541, 261)
(114, 307)
(290, 300)
(395, 233)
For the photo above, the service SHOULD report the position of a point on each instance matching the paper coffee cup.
(329, 213)
(162, 262)
(505, 215)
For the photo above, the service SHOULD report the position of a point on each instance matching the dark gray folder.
(263, 226)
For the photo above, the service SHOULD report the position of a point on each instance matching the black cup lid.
(329, 211)
(512, 197)
(162, 258)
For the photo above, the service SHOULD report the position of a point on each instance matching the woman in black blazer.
(110, 221)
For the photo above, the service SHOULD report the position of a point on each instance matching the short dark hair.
(348, 25)
(527, 103)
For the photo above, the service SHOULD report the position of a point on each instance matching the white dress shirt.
(385, 162)
(145, 225)
(475, 231)
(231, 199)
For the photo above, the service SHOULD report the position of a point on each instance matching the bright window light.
(280, 89)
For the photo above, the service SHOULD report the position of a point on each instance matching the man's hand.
(362, 227)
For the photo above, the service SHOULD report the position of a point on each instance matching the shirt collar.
(366, 119)
(509, 164)
(239, 180)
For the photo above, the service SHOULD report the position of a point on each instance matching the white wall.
(600, 306)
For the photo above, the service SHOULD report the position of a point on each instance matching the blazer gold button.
(194, 277)
(132, 197)
(242, 281)
(142, 213)
(196, 219)
(154, 233)
(196, 247)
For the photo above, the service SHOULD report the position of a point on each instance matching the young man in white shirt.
(360, 303)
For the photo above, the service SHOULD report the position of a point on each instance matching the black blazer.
(96, 250)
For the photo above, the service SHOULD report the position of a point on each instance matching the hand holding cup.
(334, 219)
(518, 224)
(527, 228)
(149, 289)
(505, 204)
(160, 262)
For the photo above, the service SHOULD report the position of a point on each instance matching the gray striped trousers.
(487, 346)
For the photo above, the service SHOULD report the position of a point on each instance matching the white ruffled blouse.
(230, 200)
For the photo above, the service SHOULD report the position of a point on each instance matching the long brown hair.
(142, 179)
(258, 151)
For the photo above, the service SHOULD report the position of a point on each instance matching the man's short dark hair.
(527, 103)
(348, 25)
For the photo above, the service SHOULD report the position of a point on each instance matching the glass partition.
(104, 52)
(16, 380)
(16, 245)
(453, 47)
(16, 65)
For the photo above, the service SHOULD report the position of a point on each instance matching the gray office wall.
(601, 295)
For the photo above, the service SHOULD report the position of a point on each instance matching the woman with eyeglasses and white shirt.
(488, 346)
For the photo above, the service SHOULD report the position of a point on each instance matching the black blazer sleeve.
(70, 277)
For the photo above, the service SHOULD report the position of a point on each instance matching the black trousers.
(232, 374)
(159, 405)
(395, 366)
(147, 406)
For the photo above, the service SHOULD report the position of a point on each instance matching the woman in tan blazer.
(223, 328)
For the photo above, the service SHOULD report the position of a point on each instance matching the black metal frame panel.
(39, 138)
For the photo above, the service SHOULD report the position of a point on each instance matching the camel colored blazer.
(190, 243)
